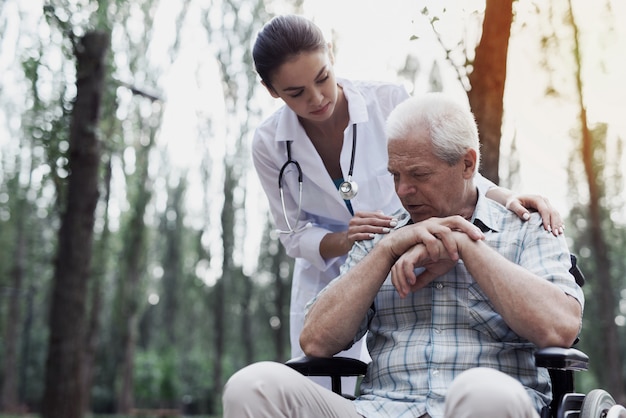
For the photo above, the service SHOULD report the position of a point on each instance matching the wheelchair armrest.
(333, 367)
(561, 358)
(328, 366)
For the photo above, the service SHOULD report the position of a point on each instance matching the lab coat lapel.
(357, 108)
(303, 151)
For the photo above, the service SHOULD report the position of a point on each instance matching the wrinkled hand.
(365, 225)
(432, 244)
(403, 274)
(432, 233)
(520, 204)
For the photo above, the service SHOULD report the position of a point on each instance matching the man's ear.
(270, 89)
(469, 164)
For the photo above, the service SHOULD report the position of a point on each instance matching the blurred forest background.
(137, 266)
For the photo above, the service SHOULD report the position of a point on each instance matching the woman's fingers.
(365, 225)
(551, 218)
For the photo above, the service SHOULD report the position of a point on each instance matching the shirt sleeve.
(549, 257)
(305, 242)
(358, 252)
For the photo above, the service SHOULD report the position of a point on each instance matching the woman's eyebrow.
(320, 73)
(293, 88)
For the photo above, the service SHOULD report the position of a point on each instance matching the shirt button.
(437, 331)
(435, 372)
(439, 286)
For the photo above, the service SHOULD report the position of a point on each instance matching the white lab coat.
(369, 104)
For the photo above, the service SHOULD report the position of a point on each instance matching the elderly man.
(454, 301)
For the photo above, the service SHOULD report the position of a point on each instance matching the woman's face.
(307, 84)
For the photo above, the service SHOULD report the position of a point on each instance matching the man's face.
(426, 185)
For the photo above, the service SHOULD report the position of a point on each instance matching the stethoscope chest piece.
(348, 189)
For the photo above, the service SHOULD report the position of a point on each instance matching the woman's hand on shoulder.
(522, 203)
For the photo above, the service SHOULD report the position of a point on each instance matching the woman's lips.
(321, 110)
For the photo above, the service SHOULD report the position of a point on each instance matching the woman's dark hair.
(282, 38)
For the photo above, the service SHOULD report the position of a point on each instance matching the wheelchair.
(560, 362)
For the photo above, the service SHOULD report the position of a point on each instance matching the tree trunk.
(92, 337)
(132, 272)
(219, 295)
(64, 391)
(172, 265)
(283, 287)
(9, 401)
(247, 332)
(612, 362)
(26, 342)
(487, 82)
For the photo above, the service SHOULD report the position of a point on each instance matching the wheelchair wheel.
(596, 404)
(616, 411)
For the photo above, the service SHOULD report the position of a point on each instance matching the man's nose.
(404, 188)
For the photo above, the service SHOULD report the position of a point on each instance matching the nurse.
(322, 160)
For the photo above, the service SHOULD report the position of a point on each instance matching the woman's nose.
(316, 97)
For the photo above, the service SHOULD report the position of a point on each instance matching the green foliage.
(156, 379)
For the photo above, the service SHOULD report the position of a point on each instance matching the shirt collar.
(289, 128)
(484, 218)
(357, 107)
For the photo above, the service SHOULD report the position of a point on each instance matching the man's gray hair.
(450, 125)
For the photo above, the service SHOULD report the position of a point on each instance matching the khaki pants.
(273, 390)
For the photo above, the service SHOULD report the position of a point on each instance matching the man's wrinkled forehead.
(414, 149)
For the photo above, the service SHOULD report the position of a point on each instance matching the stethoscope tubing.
(347, 189)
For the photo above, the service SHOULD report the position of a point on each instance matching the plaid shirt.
(421, 343)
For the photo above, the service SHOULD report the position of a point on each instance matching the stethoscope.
(347, 189)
